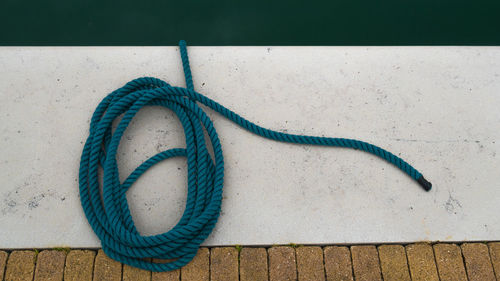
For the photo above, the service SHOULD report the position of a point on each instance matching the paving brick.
(282, 264)
(50, 265)
(173, 275)
(106, 269)
(338, 264)
(253, 264)
(365, 263)
(477, 261)
(449, 262)
(199, 268)
(421, 262)
(310, 263)
(79, 265)
(224, 264)
(131, 273)
(495, 257)
(393, 263)
(3, 262)
(20, 266)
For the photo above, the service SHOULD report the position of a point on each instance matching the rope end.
(424, 183)
(182, 43)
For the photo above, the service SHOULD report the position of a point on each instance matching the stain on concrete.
(452, 205)
(151, 203)
(34, 202)
(25, 195)
(10, 206)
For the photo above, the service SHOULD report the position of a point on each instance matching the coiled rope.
(109, 215)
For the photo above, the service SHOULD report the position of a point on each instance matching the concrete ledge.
(437, 107)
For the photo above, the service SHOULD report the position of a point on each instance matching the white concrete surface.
(437, 107)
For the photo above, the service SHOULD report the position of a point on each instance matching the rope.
(109, 215)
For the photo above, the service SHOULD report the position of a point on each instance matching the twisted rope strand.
(109, 215)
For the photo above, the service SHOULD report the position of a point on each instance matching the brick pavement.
(417, 261)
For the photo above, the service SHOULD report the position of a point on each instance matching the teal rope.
(109, 215)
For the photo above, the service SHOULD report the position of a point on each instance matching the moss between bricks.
(238, 248)
(62, 249)
(295, 246)
(35, 256)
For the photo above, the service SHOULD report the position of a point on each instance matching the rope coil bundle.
(109, 215)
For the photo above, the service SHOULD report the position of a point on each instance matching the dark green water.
(349, 22)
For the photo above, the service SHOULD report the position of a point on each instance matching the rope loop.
(109, 214)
